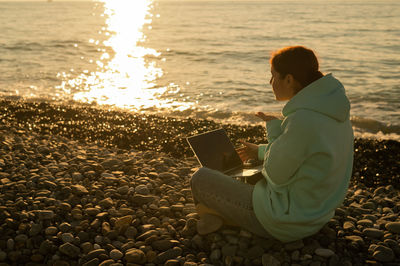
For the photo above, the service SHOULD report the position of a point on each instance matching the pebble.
(383, 254)
(92, 262)
(393, 227)
(115, 254)
(123, 190)
(10, 244)
(45, 214)
(348, 226)
(294, 245)
(3, 255)
(67, 237)
(107, 263)
(70, 250)
(123, 221)
(135, 256)
(215, 255)
(96, 253)
(356, 239)
(324, 252)
(35, 229)
(142, 189)
(167, 255)
(79, 190)
(86, 247)
(269, 260)
(373, 233)
(106, 203)
(21, 238)
(162, 245)
(64, 227)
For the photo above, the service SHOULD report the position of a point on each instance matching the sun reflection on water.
(124, 77)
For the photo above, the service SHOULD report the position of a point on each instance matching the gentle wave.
(47, 45)
(363, 127)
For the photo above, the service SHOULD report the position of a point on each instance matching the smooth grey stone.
(215, 255)
(10, 244)
(45, 214)
(95, 253)
(135, 256)
(70, 250)
(294, 245)
(393, 227)
(162, 245)
(64, 227)
(254, 252)
(167, 255)
(324, 252)
(45, 247)
(79, 190)
(147, 234)
(22, 238)
(347, 225)
(269, 260)
(373, 233)
(93, 262)
(115, 254)
(67, 237)
(365, 223)
(356, 239)
(108, 262)
(383, 254)
(51, 230)
(35, 229)
(229, 250)
(142, 190)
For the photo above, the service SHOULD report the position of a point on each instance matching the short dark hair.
(298, 61)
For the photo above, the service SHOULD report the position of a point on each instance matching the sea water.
(202, 59)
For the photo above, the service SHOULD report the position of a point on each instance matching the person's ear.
(289, 79)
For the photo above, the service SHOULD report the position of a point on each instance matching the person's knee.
(194, 180)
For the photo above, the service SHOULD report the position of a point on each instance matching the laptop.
(213, 149)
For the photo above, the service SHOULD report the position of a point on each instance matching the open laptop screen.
(214, 150)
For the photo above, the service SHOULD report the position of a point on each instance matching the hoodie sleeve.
(287, 152)
(273, 129)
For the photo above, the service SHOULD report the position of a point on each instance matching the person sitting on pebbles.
(307, 162)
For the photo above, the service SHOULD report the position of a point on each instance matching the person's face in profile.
(283, 87)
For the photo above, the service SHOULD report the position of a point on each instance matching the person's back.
(308, 162)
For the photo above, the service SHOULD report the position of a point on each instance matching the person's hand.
(248, 151)
(265, 117)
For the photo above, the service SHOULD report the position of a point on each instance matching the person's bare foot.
(202, 209)
(208, 223)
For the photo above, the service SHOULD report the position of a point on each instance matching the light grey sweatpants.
(229, 197)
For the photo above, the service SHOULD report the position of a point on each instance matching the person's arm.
(287, 151)
(254, 151)
(273, 129)
(248, 151)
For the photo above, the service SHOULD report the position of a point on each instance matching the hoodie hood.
(325, 95)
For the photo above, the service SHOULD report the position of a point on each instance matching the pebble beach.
(82, 185)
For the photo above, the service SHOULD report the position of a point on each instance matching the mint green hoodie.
(307, 162)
